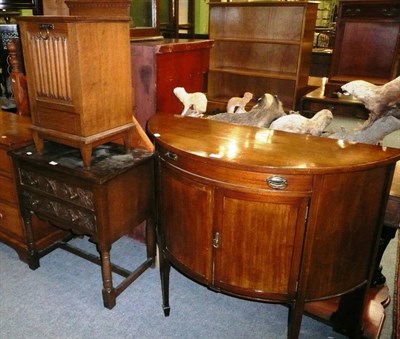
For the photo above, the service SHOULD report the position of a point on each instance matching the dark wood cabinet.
(105, 203)
(269, 215)
(160, 66)
(340, 104)
(367, 43)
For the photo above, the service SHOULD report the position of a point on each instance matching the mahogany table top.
(260, 149)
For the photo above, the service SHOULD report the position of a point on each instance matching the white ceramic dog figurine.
(238, 105)
(192, 102)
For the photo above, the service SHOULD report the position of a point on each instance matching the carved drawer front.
(65, 191)
(74, 217)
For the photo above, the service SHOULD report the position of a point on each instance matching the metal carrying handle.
(277, 182)
(44, 30)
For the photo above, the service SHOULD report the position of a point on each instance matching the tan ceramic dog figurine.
(238, 105)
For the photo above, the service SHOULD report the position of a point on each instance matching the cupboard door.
(186, 222)
(259, 245)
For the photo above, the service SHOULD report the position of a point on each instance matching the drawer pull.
(44, 30)
(277, 182)
(73, 196)
(171, 156)
(33, 183)
(1, 216)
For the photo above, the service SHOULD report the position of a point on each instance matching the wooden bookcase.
(260, 47)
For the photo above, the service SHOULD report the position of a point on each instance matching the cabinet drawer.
(10, 221)
(62, 190)
(74, 218)
(224, 176)
(5, 163)
(7, 191)
(58, 120)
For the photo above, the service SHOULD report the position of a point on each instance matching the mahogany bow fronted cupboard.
(270, 216)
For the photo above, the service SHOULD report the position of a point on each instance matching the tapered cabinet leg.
(296, 309)
(165, 268)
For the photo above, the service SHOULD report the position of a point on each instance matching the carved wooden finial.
(12, 51)
(18, 79)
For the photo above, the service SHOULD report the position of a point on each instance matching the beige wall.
(55, 7)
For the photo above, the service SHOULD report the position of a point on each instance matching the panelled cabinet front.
(240, 240)
(187, 231)
(257, 240)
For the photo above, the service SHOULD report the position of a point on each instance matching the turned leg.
(109, 293)
(33, 255)
(151, 240)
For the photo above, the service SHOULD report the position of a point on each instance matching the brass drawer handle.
(1, 216)
(277, 182)
(171, 156)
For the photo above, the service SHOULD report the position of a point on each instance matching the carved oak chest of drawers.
(104, 202)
